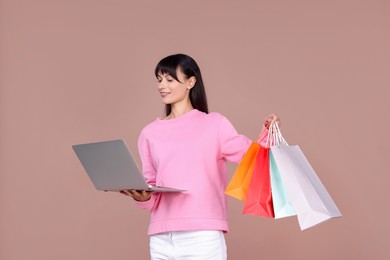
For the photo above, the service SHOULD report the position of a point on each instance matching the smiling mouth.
(164, 94)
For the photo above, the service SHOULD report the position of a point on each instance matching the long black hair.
(189, 68)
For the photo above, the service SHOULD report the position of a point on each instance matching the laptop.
(111, 167)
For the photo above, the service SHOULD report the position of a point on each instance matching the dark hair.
(190, 68)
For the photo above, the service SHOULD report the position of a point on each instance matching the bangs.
(167, 66)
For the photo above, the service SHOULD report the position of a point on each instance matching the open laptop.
(111, 167)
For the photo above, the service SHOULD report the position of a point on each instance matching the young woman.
(187, 149)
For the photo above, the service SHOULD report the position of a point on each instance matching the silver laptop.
(111, 167)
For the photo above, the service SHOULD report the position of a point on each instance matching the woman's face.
(173, 91)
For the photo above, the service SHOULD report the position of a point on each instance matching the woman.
(187, 149)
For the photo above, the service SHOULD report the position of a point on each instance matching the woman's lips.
(164, 94)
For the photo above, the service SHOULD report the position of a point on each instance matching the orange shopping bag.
(238, 185)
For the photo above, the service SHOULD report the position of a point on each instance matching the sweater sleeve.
(148, 171)
(232, 145)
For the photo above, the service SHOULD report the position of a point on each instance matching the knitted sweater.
(190, 153)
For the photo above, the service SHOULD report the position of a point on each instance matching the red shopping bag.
(259, 197)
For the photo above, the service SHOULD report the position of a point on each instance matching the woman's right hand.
(271, 119)
(140, 196)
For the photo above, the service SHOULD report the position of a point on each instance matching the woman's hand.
(140, 196)
(270, 119)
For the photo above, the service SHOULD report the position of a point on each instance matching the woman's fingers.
(145, 195)
(137, 195)
(125, 192)
(272, 118)
(128, 193)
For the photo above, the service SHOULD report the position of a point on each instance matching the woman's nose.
(161, 84)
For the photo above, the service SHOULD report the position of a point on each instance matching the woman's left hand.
(270, 119)
(140, 196)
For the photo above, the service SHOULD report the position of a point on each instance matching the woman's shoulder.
(216, 116)
(149, 128)
(211, 118)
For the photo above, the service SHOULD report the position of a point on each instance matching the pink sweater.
(190, 153)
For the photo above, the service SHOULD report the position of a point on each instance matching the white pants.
(180, 245)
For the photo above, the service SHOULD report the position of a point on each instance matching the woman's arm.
(233, 145)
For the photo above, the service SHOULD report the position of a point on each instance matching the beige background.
(80, 71)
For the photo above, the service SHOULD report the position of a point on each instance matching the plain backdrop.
(82, 71)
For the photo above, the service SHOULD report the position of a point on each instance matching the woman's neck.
(177, 111)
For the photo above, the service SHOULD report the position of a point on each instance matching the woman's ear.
(191, 82)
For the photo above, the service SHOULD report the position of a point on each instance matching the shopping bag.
(238, 185)
(259, 197)
(310, 199)
(281, 202)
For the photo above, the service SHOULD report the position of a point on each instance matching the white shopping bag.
(310, 199)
